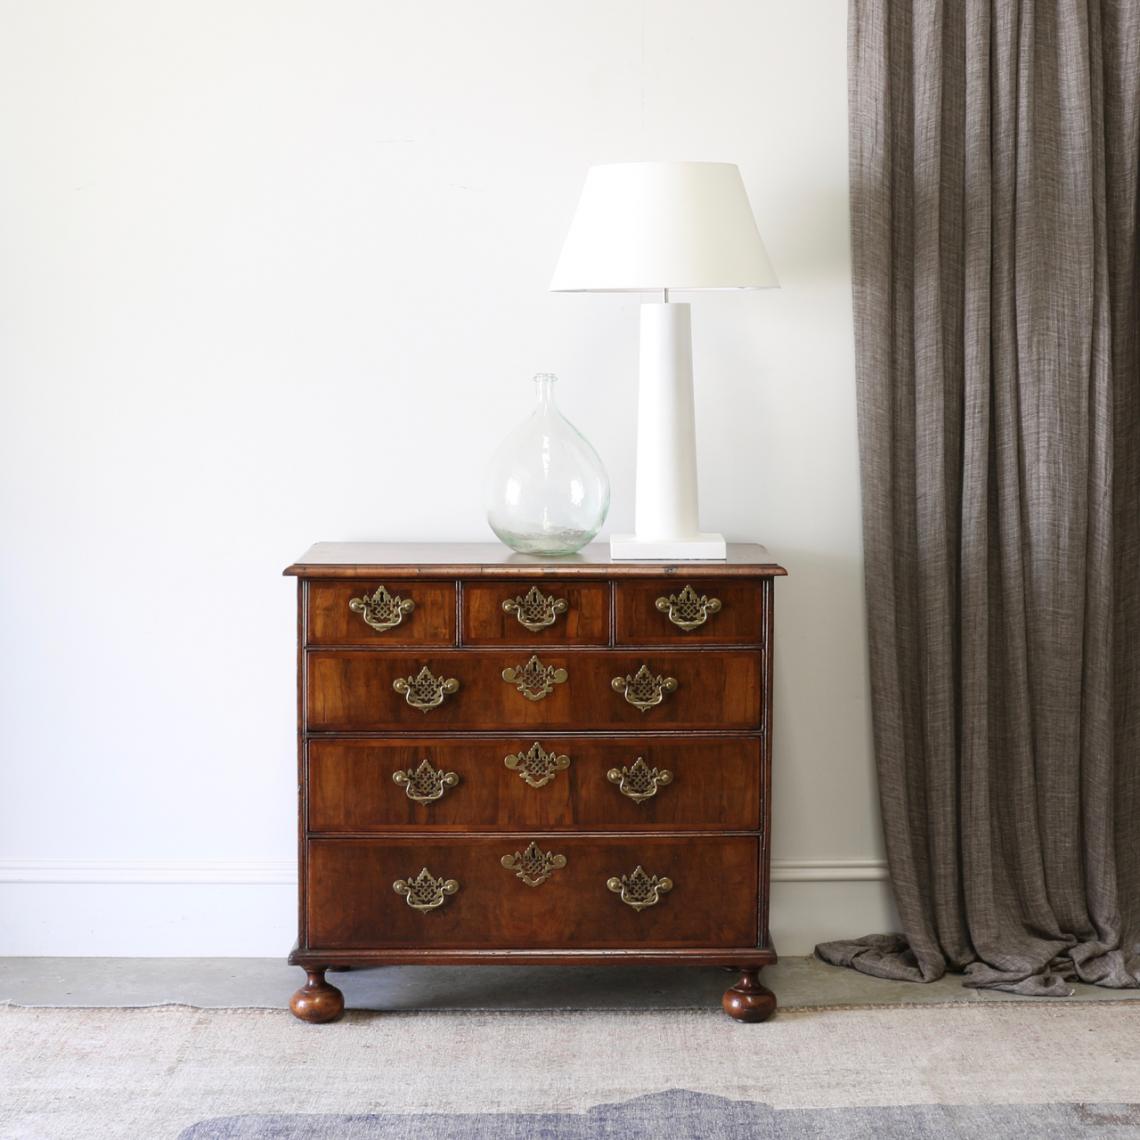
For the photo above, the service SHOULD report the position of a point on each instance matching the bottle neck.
(544, 389)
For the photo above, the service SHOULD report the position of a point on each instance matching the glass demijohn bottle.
(547, 490)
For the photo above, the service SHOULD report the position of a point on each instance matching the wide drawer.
(374, 612)
(550, 783)
(724, 611)
(360, 691)
(358, 892)
(536, 613)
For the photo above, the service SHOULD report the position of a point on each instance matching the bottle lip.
(547, 377)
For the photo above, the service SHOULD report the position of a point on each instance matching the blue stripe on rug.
(682, 1115)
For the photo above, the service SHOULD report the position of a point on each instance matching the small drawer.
(504, 893)
(722, 611)
(550, 783)
(536, 613)
(349, 690)
(375, 612)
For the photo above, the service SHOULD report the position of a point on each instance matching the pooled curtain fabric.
(995, 149)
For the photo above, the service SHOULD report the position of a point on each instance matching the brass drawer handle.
(640, 890)
(535, 680)
(534, 866)
(425, 784)
(425, 691)
(639, 782)
(536, 766)
(425, 892)
(535, 610)
(644, 690)
(381, 610)
(687, 610)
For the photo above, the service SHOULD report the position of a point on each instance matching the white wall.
(273, 272)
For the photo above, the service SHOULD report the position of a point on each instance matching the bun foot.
(748, 1000)
(316, 1001)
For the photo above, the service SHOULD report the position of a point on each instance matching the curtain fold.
(995, 153)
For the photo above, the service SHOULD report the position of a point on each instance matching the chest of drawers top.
(492, 560)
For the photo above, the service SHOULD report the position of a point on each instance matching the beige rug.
(149, 1073)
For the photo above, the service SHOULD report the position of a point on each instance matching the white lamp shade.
(644, 226)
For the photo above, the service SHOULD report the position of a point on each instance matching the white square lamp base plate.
(702, 547)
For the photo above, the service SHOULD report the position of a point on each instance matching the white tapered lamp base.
(666, 526)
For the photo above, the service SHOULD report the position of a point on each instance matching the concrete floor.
(268, 982)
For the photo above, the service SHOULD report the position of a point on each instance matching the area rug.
(968, 1069)
(683, 1115)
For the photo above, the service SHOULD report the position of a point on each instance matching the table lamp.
(645, 227)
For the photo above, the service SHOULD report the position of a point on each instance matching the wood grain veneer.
(586, 620)
(715, 785)
(352, 902)
(352, 691)
(638, 621)
(332, 622)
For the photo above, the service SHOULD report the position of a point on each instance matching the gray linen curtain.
(995, 149)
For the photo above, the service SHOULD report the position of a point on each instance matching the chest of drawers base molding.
(506, 759)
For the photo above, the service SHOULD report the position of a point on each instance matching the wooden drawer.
(539, 613)
(642, 611)
(712, 902)
(713, 784)
(353, 690)
(332, 619)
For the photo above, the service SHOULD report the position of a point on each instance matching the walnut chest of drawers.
(515, 759)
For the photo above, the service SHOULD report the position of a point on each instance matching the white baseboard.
(247, 907)
(204, 872)
(829, 871)
(283, 872)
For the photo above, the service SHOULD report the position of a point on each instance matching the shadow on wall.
(823, 768)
